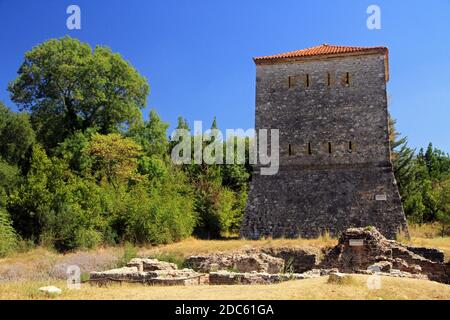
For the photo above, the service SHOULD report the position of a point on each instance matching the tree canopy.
(66, 86)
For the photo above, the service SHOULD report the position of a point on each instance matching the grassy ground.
(311, 289)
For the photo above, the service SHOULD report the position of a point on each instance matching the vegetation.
(80, 168)
(8, 239)
(424, 181)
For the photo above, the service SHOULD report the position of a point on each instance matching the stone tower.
(330, 106)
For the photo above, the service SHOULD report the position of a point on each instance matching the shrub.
(87, 238)
(129, 252)
(8, 238)
(159, 211)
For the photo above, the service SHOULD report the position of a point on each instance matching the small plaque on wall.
(356, 242)
(380, 197)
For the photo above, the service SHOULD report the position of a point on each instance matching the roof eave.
(279, 60)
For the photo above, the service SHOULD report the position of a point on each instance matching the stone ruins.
(359, 250)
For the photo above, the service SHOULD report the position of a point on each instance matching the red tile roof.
(322, 50)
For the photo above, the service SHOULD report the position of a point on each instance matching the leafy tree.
(67, 86)
(16, 135)
(414, 182)
(72, 150)
(54, 207)
(9, 180)
(115, 157)
(437, 162)
(28, 204)
(442, 195)
(152, 135)
(162, 214)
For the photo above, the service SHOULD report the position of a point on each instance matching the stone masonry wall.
(335, 168)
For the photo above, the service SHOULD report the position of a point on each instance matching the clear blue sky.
(197, 54)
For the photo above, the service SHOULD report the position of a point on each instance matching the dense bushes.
(111, 204)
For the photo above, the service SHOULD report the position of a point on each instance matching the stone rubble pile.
(296, 259)
(250, 278)
(150, 271)
(359, 250)
(241, 262)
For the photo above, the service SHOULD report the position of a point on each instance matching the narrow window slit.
(307, 80)
(329, 147)
(350, 146)
(328, 79)
(290, 150)
(292, 82)
(347, 78)
(309, 148)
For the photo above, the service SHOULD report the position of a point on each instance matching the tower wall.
(335, 167)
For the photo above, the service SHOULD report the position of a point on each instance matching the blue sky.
(197, 54)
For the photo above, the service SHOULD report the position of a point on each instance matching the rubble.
(431, 254)
(374, 249)
(158, 276)
(252, 278)
(151, 264)
(296, 259)
(359, 251)
(339, 278)
(50, 290)
(239, 261)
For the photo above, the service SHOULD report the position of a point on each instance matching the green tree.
(402, 157)
(182, 123)
(160, 214)
(29, 203)
(152, 135)
(66, 86)
(442, 195)
(16, 135)
(72, 150)
(10, 180)
(115, 158)
(437, 162)
(55, 207)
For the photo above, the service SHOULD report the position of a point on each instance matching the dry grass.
(427, 235)
(311, 289)
(426, 231)
(193, 246)
(42, 264)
